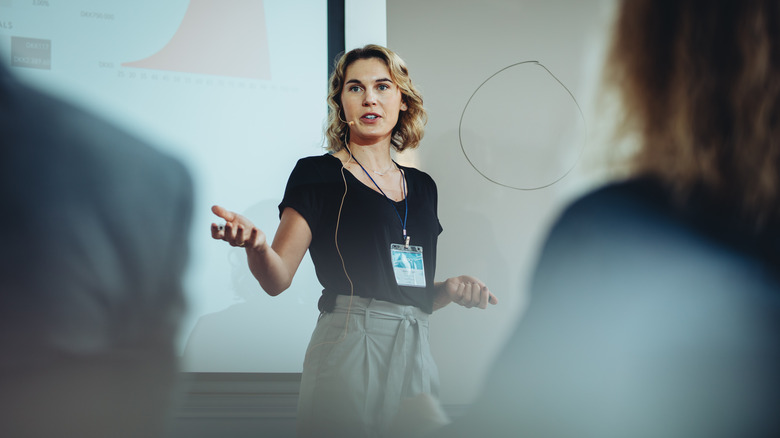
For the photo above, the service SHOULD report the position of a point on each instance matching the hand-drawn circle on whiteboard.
(522, 128)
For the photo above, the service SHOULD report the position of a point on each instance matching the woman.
(371, 228)
(655, 308)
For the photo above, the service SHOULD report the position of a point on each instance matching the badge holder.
(408, 264)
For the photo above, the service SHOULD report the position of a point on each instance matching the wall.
(521, 129)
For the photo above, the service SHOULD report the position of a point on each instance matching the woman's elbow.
(275, 289)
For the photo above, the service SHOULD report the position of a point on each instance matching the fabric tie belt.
(407, 359)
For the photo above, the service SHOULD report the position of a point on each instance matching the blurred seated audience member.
(655, 304)
(93, 244)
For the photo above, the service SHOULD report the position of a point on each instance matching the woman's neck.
(373, 157)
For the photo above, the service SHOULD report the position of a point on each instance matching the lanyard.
(406, 200)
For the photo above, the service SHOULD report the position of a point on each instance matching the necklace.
(406, 200)
(383, 172)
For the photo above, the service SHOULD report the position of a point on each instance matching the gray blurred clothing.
(93, 245)
(645, 320)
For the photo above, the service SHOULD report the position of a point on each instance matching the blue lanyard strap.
(406, 200)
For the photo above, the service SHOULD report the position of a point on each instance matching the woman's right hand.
(238, 230)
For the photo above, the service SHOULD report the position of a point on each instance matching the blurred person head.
(700, 85)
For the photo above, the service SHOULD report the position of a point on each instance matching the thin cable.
(338, 250)
(343, 265)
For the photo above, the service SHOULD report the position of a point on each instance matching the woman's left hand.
(464, 290)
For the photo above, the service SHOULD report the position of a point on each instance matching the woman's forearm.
(441, 298)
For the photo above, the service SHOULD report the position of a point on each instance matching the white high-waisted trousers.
(363, 359)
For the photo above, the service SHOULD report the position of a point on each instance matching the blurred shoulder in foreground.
(643, 322)
(94, 238)
(655, 303)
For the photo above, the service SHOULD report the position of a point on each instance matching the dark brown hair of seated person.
(700, 84)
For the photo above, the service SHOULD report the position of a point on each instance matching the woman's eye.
(354, 88)
(383, 87)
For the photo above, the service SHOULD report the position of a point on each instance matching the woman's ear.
(403, 106)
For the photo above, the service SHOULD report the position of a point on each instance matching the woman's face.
(371, 100)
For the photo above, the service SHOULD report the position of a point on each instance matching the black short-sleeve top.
(367, 226)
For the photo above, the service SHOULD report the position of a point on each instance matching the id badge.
(408, 265)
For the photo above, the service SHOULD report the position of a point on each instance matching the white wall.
(364, 23)
(522, 129)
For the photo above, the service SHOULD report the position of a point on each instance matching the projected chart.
(31, 53)
(217, 38)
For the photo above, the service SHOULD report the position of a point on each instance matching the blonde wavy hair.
(410, 127)
(700, 84)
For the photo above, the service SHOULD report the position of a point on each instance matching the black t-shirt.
(369, 223)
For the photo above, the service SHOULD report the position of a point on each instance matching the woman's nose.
(369, 98)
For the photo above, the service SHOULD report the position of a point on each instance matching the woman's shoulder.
(316, 168)
(630, 210)
(620, 200)
(646, 205)
(415, 174)
(636, 223)
(324, 160)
